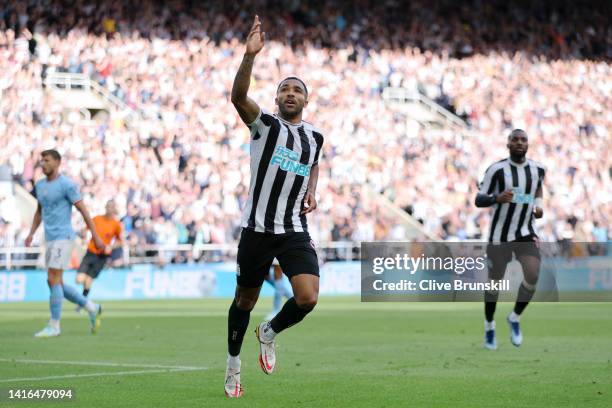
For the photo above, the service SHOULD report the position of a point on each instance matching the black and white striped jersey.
(515, 219)
(282, 155)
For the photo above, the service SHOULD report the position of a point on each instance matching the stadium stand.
(179, 172)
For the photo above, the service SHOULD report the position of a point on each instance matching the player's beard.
(518, 156)
(287, 115)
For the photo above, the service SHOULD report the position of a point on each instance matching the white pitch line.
(119, 373)
(100, 364)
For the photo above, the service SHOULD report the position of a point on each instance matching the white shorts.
(58, 254)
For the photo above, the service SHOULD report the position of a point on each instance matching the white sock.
(266, 333)
(513, 317)
(233, 362)
(54, 323)
(91, 307)
(489, 325)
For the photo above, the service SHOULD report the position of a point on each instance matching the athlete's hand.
(108, 250)
(255, 39)
(538, 212)
(504, 197)
(310, 203)
(98, 243)
(28, 240)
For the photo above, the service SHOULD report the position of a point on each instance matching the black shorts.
(256, 251)
(499, 255)
(92, 264)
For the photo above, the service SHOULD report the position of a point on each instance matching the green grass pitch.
(345, 354)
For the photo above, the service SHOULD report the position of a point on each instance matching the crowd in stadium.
(181, 175)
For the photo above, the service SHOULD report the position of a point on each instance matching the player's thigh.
(98, 263)
(278, 272)
(531, 267)
(86, 263)
(528, 254)
(498, 257)
(305, 289)
(58, 254)
(298, 260)
(255, 255)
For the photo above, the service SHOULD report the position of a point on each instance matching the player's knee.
(491, 295)
(531, 280)
(53, 280)
(307, 302)
(244, 303)
(54, 277)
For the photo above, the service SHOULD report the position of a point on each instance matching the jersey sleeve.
(261, 125)
(541, 176)
(489, 183)
(319, 139)
(72, 191)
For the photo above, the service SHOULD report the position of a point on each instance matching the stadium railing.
(33, 257)
(405, 96)
(64, 81)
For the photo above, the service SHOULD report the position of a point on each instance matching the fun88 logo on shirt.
(288, 160)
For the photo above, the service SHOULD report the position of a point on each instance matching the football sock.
(279, 292)
(72, 295)
(233, 362)
(525, 293)
(237, 323)
(490, 304)
(55, 301)
(513, 317)
(289, 315)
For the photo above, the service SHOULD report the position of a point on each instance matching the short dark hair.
(53, 153)
(515, 131)
(297, 79)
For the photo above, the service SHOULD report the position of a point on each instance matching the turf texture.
(344, 354)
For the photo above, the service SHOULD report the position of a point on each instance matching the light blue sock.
(278, 294)
(55, 301)
(74, 296)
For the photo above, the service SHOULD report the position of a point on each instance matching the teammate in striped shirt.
(513, 187)
(284, 171)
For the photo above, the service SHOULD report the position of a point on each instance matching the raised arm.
(246, 107)
(90, 224)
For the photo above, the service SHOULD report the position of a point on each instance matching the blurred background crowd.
(181, 175)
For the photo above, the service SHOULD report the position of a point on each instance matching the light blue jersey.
(56, 199)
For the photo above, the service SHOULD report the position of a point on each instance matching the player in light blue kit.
(56, 194)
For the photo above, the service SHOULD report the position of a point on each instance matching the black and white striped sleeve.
(318, 136)
(489, 183)
(261, 125)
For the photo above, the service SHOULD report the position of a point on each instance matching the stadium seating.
(181, 173)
